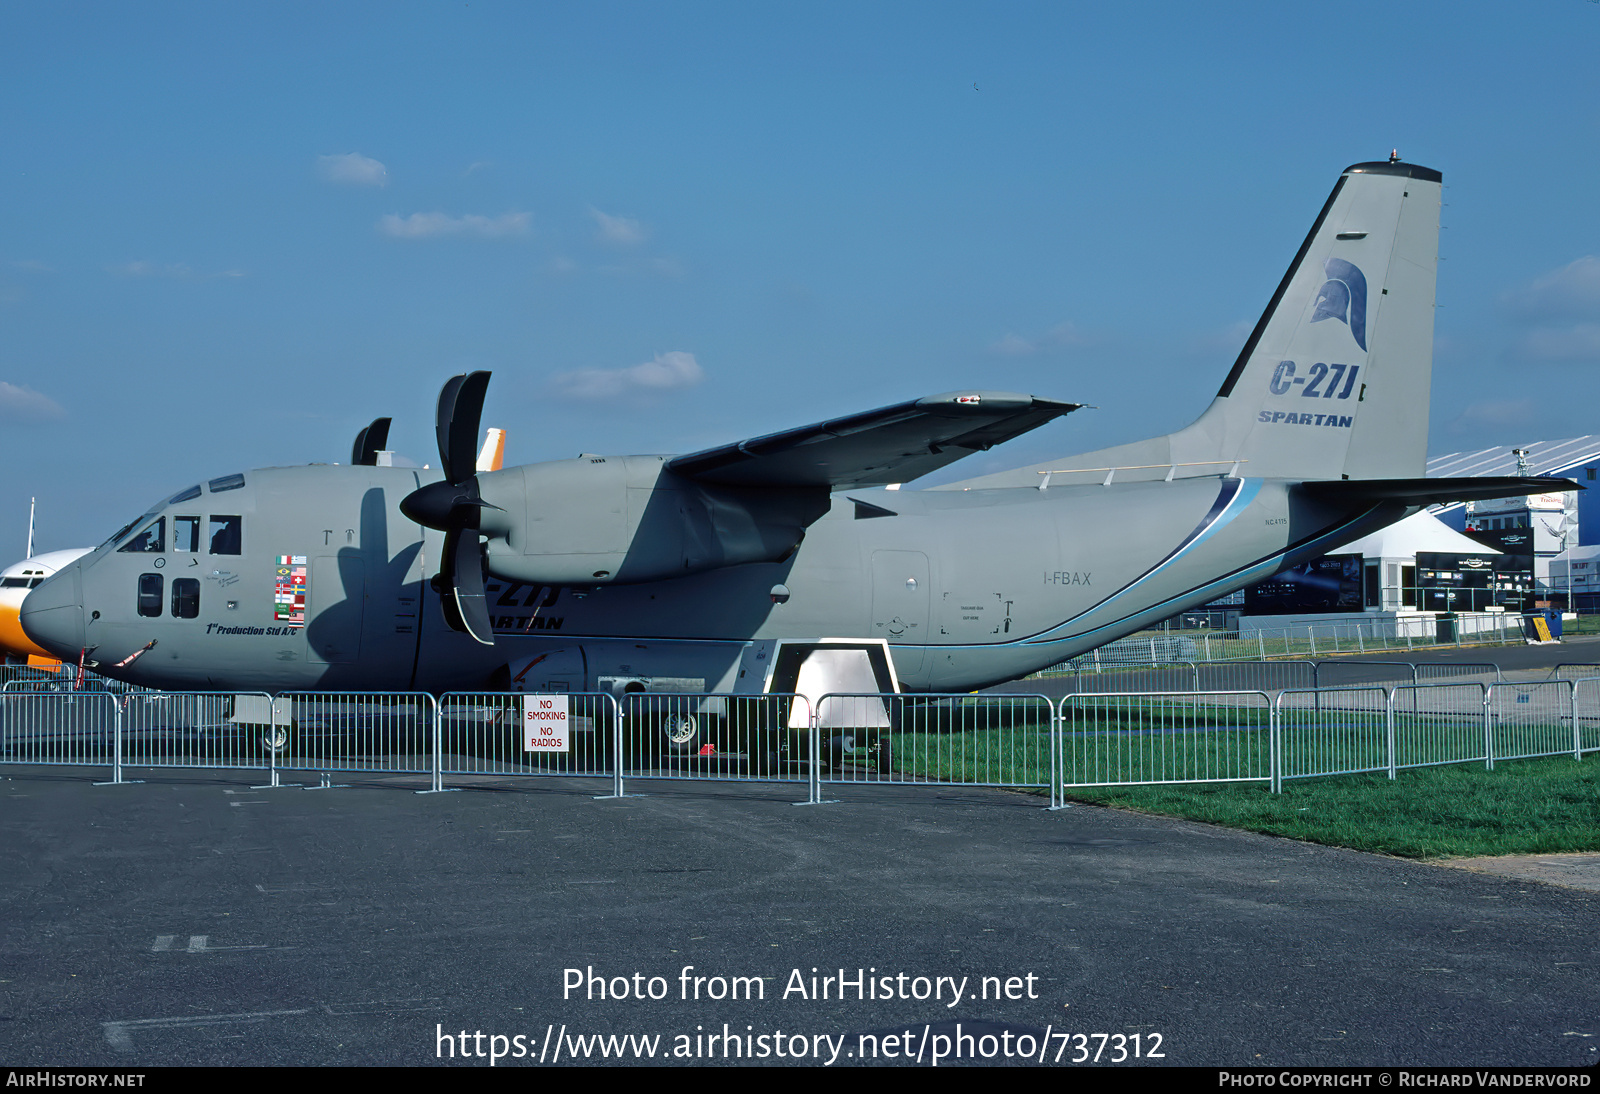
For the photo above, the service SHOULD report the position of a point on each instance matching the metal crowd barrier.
(1090, 738)
(1331, 731)
(957, 739)
(1139, 738)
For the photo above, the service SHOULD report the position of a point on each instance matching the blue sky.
(230, 235)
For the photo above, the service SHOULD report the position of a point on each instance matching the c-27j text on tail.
(702, 568)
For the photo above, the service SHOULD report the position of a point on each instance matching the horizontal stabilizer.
(1433, 491)
(891, 444)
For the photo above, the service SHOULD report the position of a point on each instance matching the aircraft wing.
(891, 444)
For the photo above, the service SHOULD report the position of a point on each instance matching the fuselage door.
(900, 599)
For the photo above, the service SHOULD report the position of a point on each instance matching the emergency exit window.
(185, 533)
(227, 535)
(150, 595)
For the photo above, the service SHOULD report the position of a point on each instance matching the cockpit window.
(185, 533)
(227, 535)
(226, 482)
(153, 538)
(132, 524)
(15, 582)
(187, 495)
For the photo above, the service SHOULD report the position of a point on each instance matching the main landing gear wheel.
(680, 734)
(275, 740)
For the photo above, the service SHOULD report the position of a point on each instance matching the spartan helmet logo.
(1344, 297)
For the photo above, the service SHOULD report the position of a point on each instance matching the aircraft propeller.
(455, 507)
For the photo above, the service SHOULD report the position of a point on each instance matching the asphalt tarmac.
(192, 919)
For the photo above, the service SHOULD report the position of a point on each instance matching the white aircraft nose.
(52, 614)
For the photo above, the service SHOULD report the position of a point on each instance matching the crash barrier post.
(1331, 731)
(1126, 739)
(532, 733)
(954, 739)
(1528, 720)
(327, 731)
(1438, 724)
(698, 735)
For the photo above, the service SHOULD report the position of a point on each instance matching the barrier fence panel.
(1439, 672)
(498, 733)
(1255, 676)
(49, 727)
(1574, 671)
(1586, 716)
(1357, 671)
(352, 731)
(1127, 739)
(1439, 724)
(196, 729)
(705, 736)
(1085, 676)
(1530, 720)
(967, 740)
(1332, 731)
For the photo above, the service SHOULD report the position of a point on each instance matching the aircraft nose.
(52, 614)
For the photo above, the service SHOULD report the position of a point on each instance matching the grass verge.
(1543, 806)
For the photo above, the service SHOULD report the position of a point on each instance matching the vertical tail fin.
(1334, 379)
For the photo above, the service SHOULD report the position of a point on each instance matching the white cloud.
(1573, 292)
(1057, 337)
(1578, 343)
(433, 225)
(23, 404)
(618, 231)
(172, 271)
(668, 372)
(352, 169)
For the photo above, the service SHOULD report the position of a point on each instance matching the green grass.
(1536, 806)
(1521, 807)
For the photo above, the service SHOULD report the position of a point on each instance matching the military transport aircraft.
(697, 569)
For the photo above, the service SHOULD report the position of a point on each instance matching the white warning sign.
(544, 724)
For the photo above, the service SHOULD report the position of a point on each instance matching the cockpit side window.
(227, 535)
(185, 533)
(152, 539)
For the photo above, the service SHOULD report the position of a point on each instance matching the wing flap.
(896, 443)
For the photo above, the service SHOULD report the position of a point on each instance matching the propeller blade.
(369, 442)
(460, 411)
(466, 608)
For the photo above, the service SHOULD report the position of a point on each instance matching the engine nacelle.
(623, 520)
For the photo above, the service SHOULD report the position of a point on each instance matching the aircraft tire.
(883, 758)
(679, 734)
(275, 740)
